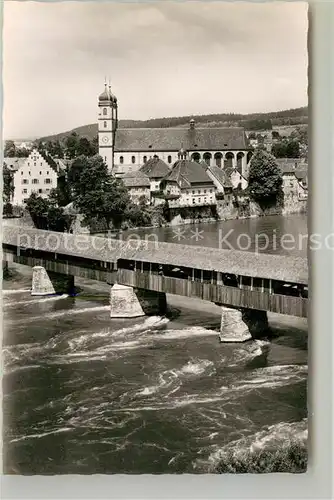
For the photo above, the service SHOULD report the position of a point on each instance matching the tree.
(71, 145)
(265, 179)
(46, 214)
(58, 150)
(10, 149)
(95, 145)
(37, 208)
(279, 149)
(97, 194)
(287, 148)
(8, 184)
(7, 209)
(84, 147)
(292, 149)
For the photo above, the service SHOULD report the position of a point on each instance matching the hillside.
(253, 121)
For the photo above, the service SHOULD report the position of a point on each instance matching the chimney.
(192, 124)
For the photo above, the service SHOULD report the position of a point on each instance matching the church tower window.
(121, 160)
(105, 111)
(169, 159)
(133, 159)
(105, 124)
(145, 159)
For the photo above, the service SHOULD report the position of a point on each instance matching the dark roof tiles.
(187, 172)
(172, 139)
(136, 179)
(155, 168)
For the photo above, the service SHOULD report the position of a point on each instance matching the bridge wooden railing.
(220, 294)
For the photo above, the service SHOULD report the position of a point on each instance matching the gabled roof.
(155, 168)
(222, 177)
(50, 161)
(186, 173)
(136, 179)
(172, 139)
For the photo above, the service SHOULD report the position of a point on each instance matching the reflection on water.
(274, 234)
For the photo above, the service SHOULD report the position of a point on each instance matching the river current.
(85, 394)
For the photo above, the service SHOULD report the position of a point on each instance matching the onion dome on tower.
(105, 96)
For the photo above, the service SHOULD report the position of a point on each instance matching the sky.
(163, 59)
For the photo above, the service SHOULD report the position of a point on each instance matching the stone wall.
(227, 210)
(191, 215)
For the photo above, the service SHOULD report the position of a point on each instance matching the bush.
(291, 457)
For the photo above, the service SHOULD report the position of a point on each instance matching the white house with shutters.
(38, 173)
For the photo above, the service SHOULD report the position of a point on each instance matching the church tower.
(107, 125)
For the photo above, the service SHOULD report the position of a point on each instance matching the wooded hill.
(253, 121)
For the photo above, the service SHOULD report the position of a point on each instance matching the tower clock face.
(105, 139)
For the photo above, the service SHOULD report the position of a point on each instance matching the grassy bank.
(291, 457)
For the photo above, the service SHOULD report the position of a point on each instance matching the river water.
(85, 394)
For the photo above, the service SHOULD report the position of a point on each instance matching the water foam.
(153, 322)
(186, 332)
(169, 377)
(37, 300)
(12, 292)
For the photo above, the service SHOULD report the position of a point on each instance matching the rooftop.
(155, 168)
(187, 172)
(261, 265)
(136, 179)
(221, 175)
(172, 139)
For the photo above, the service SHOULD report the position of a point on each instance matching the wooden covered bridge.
(239, 279)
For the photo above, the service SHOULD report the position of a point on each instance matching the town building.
(295, 179)
(138, 185)
(188, 184)
(126, 150)
(37, 173)
(155, 169)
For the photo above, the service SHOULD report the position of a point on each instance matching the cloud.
(164, 59)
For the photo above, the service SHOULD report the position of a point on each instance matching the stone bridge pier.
(240, 324)
(50, 283)
(129, 302)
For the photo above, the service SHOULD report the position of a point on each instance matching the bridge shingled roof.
(260, 265)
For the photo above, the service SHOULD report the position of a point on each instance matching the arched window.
(169, 159)
(133, 159)
(145, 159)
(228, 163)
(105, 111)
(207, 158)
(249, 156)
(218, 159)
(196, 157)
(240, 156)
(121, 160)
(105, 124)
